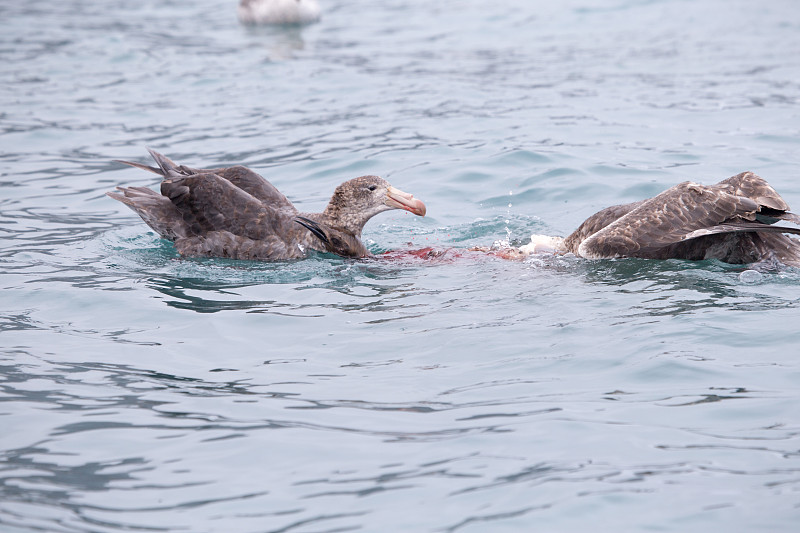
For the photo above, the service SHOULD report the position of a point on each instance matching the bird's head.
(355, 201)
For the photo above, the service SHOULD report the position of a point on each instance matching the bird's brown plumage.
(731, 221)
(233, 212)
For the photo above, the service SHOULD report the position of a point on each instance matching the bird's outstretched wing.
(666, 219)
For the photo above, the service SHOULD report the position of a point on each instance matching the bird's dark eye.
(372, 187)
(336, 241)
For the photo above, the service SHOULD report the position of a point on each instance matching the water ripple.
(427, 388)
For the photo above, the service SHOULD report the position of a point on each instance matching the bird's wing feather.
(788, 217)
(244, 178)
(255, 185)
(208, 202)
(756, 188)
(740, 227)
(596, 222)
(666, 219)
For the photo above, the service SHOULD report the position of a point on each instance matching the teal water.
(144, 392)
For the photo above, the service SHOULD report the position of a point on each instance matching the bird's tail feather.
(156, 210)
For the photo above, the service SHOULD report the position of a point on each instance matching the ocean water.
(141, 391)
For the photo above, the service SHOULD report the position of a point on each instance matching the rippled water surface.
(144, 392)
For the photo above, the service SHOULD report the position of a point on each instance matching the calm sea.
(143, 392)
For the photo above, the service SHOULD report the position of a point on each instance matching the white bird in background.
(278, 11)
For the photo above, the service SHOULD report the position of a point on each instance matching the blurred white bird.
(278, 11)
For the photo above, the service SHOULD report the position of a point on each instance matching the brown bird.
(233, 212)
(732, 221)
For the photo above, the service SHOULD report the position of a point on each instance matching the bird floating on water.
(733, 221)
(278, 11)
(233, 212)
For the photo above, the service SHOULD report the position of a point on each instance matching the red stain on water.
(448, 255)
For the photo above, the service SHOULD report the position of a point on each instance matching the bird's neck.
(336, 218)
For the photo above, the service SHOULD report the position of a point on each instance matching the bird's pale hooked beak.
(402, 200)
(313, 227)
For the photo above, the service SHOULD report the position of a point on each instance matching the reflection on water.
(677, 287)
(281, 42)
